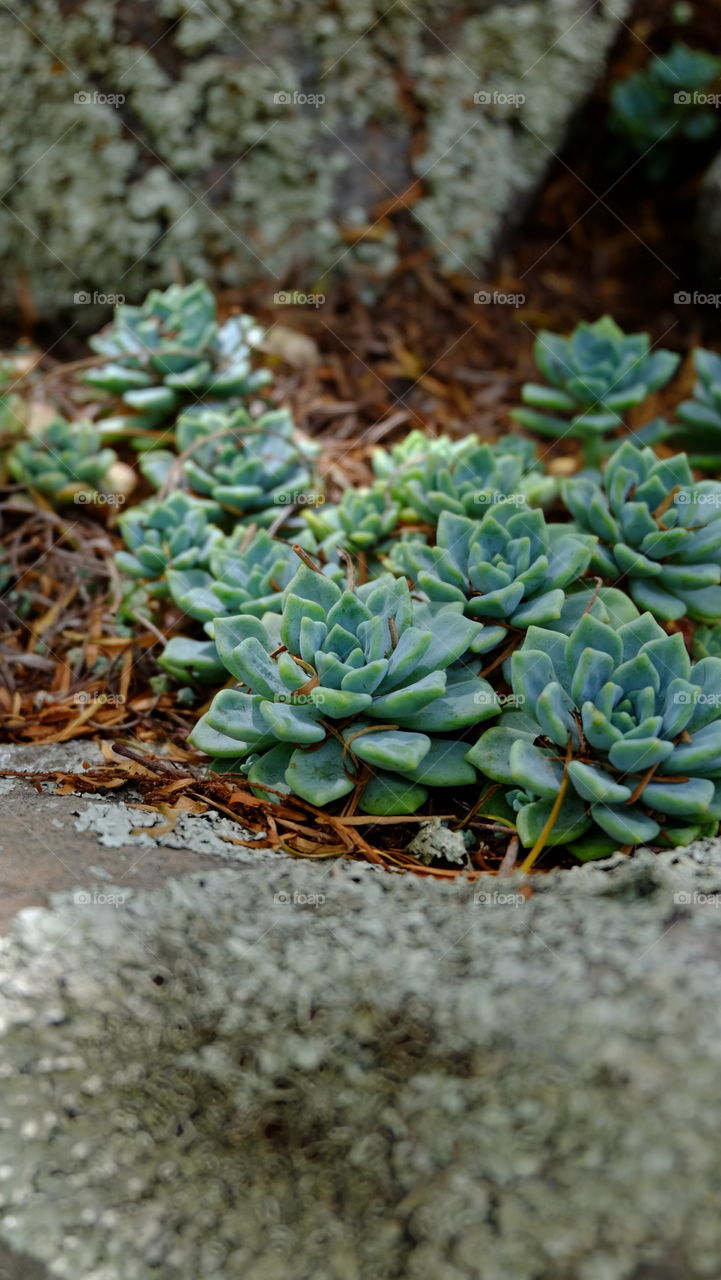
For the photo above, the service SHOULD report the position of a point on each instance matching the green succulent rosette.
(706, 642)
(699, 428)
(617, 739)
(594, 377)
(510, 568)
(64, 461)
(363, 688)
(171, 350)
(362, 521)
(176, 532)
(659, 531)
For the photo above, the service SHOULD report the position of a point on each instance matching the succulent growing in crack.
(596, 375)
(510, 568)
(618, 739)
(700, 418)
(655, 109)
(171, 533)
(465, 477)
(65, 460)
(252, 467)
(170, 349)
(365, 690)
(659, 531)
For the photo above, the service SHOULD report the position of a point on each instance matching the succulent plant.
(362, 692)
(706, 642)
(64, 461)
(386, 462)
(171, 533)
(510, 568)
(465, 477)
(595, 376)
(700, 429)
(362, 519)
(659, 531)
(169, 350)
(617, 739)
(250, 467)
(655, 110)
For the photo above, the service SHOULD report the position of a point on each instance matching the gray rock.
(292, 1070)
(140, 139)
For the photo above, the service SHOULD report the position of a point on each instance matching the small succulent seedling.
(655, 110)
(64, 460)
(596, 375)
(172, 533)
(365, 691)
(171, 350)
(659, 531)
(510, 568)
(617, 739)
(700, 429)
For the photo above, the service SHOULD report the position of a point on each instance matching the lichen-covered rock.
(328, 1073)
(253, 141)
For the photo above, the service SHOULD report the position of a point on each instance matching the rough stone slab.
(139, 137)
(328, 1072)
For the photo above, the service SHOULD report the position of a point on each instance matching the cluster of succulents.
(170, 351)
(361, 522)
(363, 689)
(700, 418)
(659, 531)
(173, 533)
(656, 109)
(615, 739)
(596, 375)
(63, 461)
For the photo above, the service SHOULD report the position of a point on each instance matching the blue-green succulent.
(64, 461)
(659, 531)
(700, 418)
(656, 110)
(617, 739)
(466, 477)
(706, 642)
(362, 521)
(176, 532)
(596, 375)
(510, 568)
(362, 688)
(171, 350)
